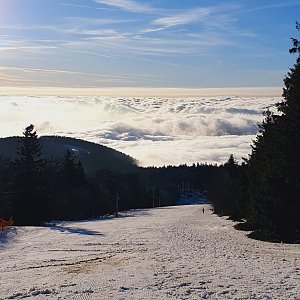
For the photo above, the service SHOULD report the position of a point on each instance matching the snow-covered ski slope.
(164, 253)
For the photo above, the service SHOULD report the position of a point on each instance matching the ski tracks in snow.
(164, 253)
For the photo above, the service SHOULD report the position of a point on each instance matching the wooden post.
(117, 205)
(153, 199)
(93, 207)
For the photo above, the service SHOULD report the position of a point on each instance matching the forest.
(35, 188)
(263, 192)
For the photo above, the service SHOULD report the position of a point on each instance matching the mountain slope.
(93, 156)
(159, 254)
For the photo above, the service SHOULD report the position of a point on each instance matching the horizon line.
(142, 91)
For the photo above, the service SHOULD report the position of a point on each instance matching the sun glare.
(3, 6)
(4, 11)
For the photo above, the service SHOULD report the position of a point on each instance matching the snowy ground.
(165, 253)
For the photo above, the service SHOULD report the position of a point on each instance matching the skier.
(203, 209)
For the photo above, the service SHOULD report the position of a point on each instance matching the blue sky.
(153, 44)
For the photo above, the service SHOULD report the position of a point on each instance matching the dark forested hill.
(93, 156)
(61, 178)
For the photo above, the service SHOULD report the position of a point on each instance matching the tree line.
(263, 191)
(34, 189)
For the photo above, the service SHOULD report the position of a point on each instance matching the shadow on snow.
(75, 230)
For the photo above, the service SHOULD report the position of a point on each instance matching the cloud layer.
(155, 131)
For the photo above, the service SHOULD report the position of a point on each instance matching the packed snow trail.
(164, 253)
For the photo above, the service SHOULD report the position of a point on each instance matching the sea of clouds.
(155, 131)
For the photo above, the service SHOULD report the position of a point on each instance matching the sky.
(138, 44)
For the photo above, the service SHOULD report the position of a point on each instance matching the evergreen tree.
(296, 42)
(76, 200)
(6, 183)
(225, 190)
(30, 192)
(73, 172)
(273, 166)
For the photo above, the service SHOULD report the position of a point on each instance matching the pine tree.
(273, 166)
(296, 42)
(30, 193)
(289, 124)
(226, 192)
(6, 183)
(74, 174)
(75, 192)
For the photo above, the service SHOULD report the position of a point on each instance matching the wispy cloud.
(145, 36)
(182, 18)
(20, 48)
(19, 76)
(83, 22)
(23, 27)
(99, 33)
(5, 68)
(270, 6)
(128, 5)
(10, 45)
(83, 6)
(74, 5)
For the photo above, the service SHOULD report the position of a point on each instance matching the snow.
(163, 253)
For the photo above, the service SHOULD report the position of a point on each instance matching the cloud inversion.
(155, 131)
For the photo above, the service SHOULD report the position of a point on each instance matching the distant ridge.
(93, 156)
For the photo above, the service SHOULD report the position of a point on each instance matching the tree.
(225, 190)
(6, 182)
(296, 42)
(273, 166)
(74, 174)
(74, 187)
(30, 192)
